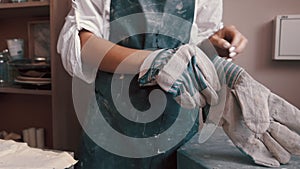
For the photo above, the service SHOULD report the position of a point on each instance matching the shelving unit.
(24, 9)
(15, 17)
(16, 90)
(24, 4)
(50, 109)
(19, 109)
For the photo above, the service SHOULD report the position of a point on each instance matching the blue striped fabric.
(191, 79)
(158, 63)
(227, 71)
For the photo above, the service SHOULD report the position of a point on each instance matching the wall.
(254, 19)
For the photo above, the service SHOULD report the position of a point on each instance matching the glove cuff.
(151, 66)
(228, 72)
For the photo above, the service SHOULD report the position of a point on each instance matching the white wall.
(254, 19)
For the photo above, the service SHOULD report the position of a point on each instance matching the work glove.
(260, 123)
(185, 72)
(272, 146)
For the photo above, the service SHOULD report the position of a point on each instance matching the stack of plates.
(32, 80)
(32, 72)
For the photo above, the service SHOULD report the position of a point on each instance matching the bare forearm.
(110, 55)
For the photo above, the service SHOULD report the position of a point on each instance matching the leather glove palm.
(260, 123)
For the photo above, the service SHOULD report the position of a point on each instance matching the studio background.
(255, 20)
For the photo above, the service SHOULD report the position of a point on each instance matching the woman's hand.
(228, 41)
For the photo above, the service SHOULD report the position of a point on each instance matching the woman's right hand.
(229, 41)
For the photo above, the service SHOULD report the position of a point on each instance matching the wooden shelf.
(24, 10)
(16, 90)
(51, 109)
(24, 4)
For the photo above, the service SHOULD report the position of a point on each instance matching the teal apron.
(140, 31)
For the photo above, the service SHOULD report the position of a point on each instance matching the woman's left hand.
(229, 41)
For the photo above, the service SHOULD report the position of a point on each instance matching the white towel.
(15, 155)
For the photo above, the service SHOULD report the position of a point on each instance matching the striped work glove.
(185, 72)
(260, 123)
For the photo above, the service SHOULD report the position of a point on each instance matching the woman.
(128, 31)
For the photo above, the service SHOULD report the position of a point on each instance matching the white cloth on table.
(15, 155)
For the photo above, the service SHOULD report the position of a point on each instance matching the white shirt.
(94, 16)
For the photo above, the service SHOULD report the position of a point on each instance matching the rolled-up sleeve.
(207, 20)
(88, 15)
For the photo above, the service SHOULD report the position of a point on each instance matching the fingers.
(219, 41)
(276, 149)
(260, 154)
(239, 41)
(284, 112)
(252, 147)
(244, 138)
(285, 137)
(230, 39)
